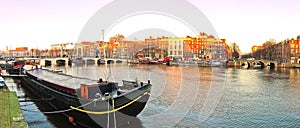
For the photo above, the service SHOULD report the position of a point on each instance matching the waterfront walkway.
(11, 115)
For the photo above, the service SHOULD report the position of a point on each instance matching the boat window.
(2, 83)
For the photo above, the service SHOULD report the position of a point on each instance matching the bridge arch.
(90, 62)
(110, 61)
(100, 61)
(262, 64)
(246, 64)
(60, 62)
(271, 65)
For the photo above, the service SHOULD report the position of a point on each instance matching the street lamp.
(148, 47)
(103, 43)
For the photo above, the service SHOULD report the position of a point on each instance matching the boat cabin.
(96, 90)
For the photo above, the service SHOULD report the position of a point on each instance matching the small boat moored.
(257, 65)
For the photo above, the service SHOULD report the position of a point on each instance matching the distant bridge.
(85, 61)
(264, 63)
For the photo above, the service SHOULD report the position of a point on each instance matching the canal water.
(195, 96)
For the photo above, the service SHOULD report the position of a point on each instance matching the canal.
(195, 96)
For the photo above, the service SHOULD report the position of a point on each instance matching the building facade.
(286, 51)
(61, 50)
(294, 51)
(175, 48)
(18, 52)
(206, 47)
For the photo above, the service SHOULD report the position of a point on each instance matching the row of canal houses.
(286, 51)
(202, 47)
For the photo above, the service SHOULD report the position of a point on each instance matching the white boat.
(257, 65)
(133, 62)
(216, 63)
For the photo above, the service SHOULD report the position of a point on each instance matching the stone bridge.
(251, 63)
(85, 61)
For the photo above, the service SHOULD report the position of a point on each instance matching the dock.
(11, 115)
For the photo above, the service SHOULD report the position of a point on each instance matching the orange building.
(193, 47)
(207, 47)
(19, 52)
(294, 50)
(255, 48)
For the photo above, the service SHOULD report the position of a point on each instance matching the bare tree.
(270, 48)
(235, 50)
(117, 38)
(269, 43)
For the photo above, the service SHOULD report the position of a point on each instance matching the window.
(179, 53)
(292, 55)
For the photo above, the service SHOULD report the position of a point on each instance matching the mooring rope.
(107, 114)
(110, 111)
(113, 106)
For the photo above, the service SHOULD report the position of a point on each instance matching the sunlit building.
(294, 51)
(193, 48)
(161, 43)
(129, 49)
(286, 51)
(175, 49)
(61, 50)
(206, 47)
(88, 49)
(254, 48)
(18, 52)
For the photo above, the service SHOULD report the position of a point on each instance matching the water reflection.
(208, 97)
(258, 98)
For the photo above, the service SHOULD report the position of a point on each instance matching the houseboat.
(87, 102)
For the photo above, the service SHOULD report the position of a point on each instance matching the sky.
(38, 24)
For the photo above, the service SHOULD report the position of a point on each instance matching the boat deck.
(64, 80)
